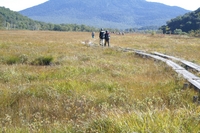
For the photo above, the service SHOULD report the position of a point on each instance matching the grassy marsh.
(94, 89)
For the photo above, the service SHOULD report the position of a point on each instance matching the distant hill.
(14, 20)
(104, 13)
(185, 23)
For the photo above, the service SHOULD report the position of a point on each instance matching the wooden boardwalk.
(187, 63)
(170, 61)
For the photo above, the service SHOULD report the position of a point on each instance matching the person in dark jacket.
(107, 38)
(102, 37)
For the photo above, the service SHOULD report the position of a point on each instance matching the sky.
(17, 5)
(186, 4)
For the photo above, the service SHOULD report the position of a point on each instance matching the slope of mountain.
(187, 22)
(13, 20)
(104, 13)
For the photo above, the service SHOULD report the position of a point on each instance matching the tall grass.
(93, 89)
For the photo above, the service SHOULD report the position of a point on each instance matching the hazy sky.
(186, 4)
(17, 5)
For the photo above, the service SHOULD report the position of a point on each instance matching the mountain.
(104, 13)
(14, 20)
(185, 23)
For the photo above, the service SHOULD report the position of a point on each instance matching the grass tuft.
(42, 61)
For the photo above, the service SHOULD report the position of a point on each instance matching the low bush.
(12, 60)
(42, 61)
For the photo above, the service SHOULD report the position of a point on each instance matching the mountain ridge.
(104, 13)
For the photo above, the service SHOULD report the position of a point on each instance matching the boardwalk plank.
(166, 56)
(187, 75)
(174, 65)
(191, 65)
(187, 63)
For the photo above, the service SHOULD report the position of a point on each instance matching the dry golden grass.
(175, 45)
(94, 89)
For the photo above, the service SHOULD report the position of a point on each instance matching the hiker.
(93, 34)
(107, 38)
(102, 37)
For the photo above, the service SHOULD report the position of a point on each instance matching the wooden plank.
(132, 50)
(142, 53)
(166, 56)
(152, 56)
(188, 75)
(195, 83)
(191, 65)
(174, 65)
(187, 63)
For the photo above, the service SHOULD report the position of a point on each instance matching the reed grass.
(93, 89)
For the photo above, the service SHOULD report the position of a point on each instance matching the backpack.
(102, 34)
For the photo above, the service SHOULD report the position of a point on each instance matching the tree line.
(14, 20)
(188, 23)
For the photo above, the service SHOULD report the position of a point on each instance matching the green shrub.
(10, 60)
(178, 31)
(42, 61)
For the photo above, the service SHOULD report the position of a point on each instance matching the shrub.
(195, 33)
(178, 31)
(12, 60)
(42, 61)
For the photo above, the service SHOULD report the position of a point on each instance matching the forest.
(14, 20)
(187, 23)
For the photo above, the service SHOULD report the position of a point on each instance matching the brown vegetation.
(93, 89)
